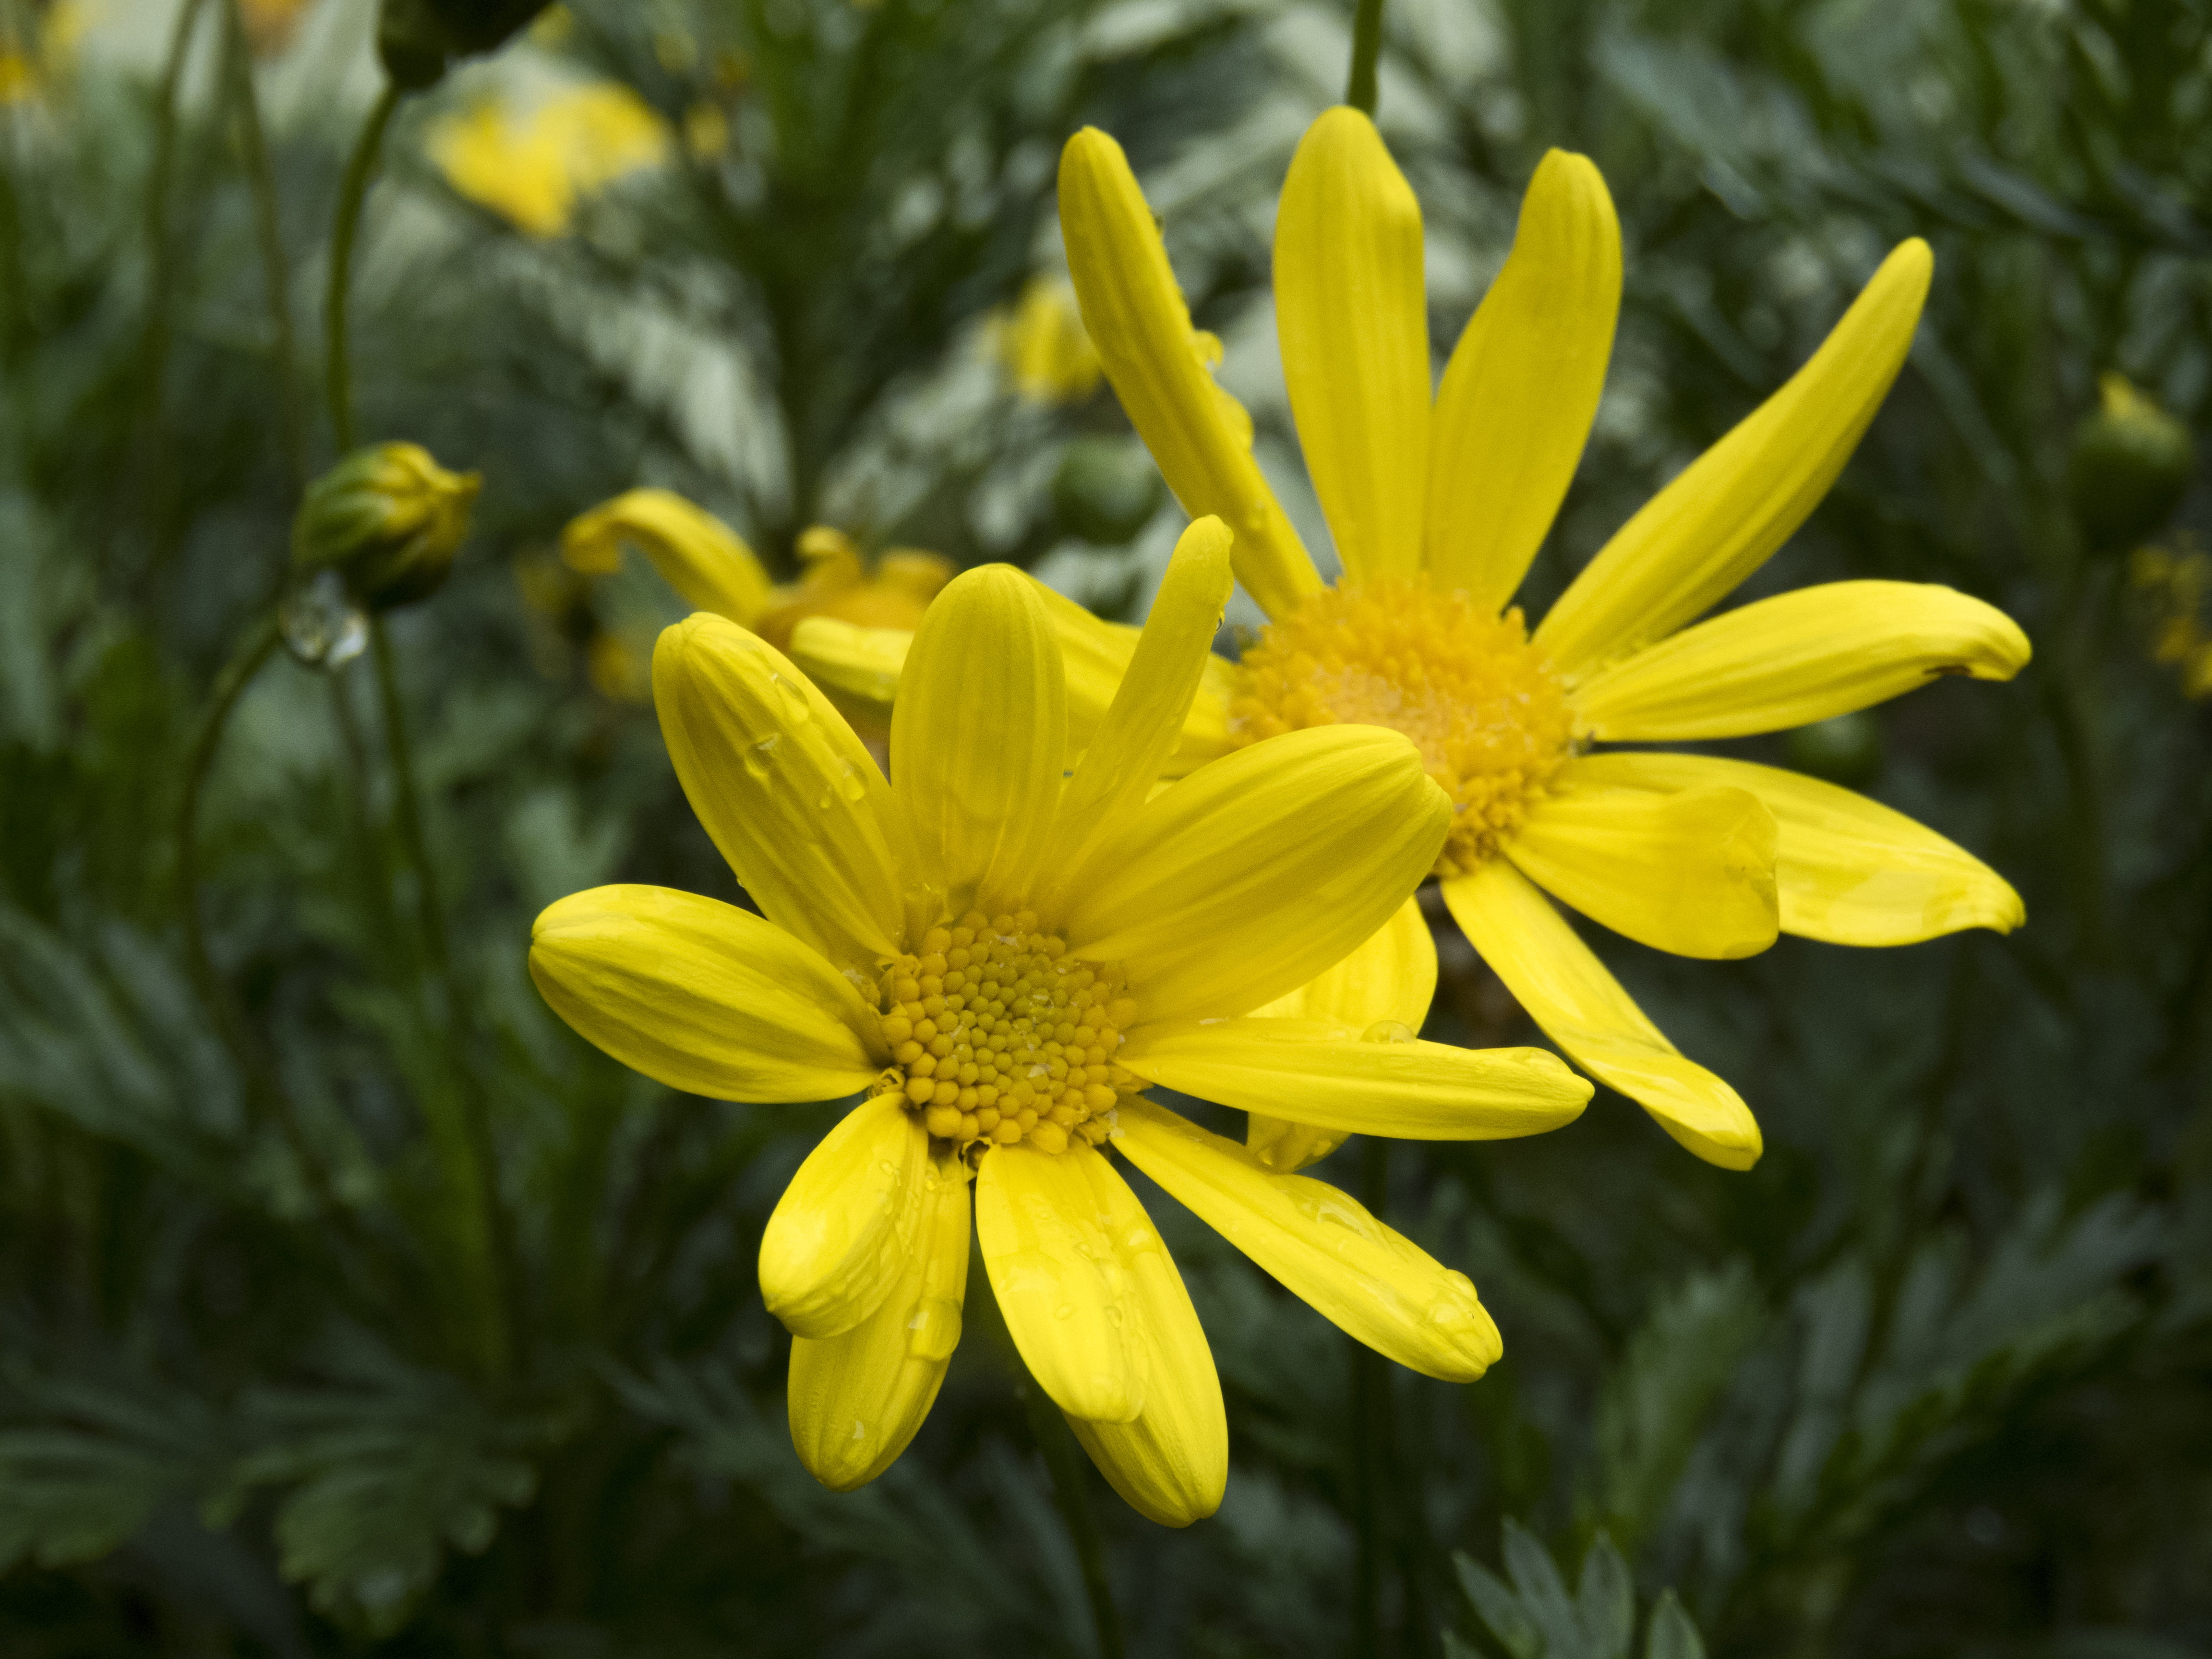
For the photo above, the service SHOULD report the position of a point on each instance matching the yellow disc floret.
(998, 1036)
(1482, 704)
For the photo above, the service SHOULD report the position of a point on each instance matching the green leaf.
(1499, 1608)
(1605, 1601)
(1671, 1635)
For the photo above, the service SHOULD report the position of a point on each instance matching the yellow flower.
(532, 169)
(1041, 344)
(1001, 954)
(270, 24)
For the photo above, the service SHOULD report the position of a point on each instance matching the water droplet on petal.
(795, 707)
(850, 784)
(760, 757)
(1387, 1030)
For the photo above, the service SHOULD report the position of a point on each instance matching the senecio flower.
(532, 169)
(1001, 952)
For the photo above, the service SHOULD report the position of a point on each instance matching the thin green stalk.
(1366, 49)
(161, 270)
(1370, 1406)
(1063, 1460)
(261, 178)
(337, 373)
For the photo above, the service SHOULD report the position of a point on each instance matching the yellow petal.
(856, 1399)
(698, 556)
(702, 996)
(1567, 991)
(1692, 873)
(1730, 508)
(1097, 655)
(1145, 723)
(1798, 658)
(857, 667)
(1390, 977)
(979, 739)
(1517, 399)
(1848, 870)
(1352, 315)
(838, 1241)
(1048, 1227)
(1256, 872)
(1136, 316)
(1329, 1251)
(797, 804)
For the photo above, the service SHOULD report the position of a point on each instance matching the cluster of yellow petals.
(998, 1036)
(1483, 705)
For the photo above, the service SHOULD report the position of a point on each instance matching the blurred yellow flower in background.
(532, 168)
(2177, 584)
(1039, 342)
(270, 25)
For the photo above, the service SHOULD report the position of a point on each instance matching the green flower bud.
(1846, 750)
(1105, 490)
(388, 519)
(2131, 465)
(418, 38)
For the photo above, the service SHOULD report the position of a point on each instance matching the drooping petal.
(1391, 976)
(792, 796)
(856, 1399)
(1692, 873)
(838, 1239)
(1326, 1249)
(1846, 869)
(857, 667)
(1521, 389)
(1352, 310)
(702, 996)
(1582, 1007)
(695, 553)
(1253, 874)
(1798, 658)
(1730, 508)
(1061, 1279)
(1097, 653)
(1136, 316)
(979, 738)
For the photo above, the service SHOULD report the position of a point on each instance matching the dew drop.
(760, 757)
(1064, 1310)
(794, 701)
(934, 1330)
(850, 784)
(1387, 1030)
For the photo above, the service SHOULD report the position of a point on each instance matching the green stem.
(161, 272)
(1366, 49)
(337, 377)
(1370, 1405)
(1063, 1459)
(261, 178)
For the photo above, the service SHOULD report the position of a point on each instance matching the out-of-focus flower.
(1041, 344)
(19, 78)
(2131, 465)
(532, 168)
(271, 24)
(2176, 583)
(1001, 955)
(29, 68)
(389, 519)
(419, 39)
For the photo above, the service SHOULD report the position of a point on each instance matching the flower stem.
(1370, 1405)
(1366, 48)
(253, 142)
(1063, 1458)
(160, 266)
(337, 375)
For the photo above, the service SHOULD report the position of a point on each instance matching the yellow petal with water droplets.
(1847, 870)
(857, 667)
(793, 798)
(695, 553)
(1058, 1270)
(1798, 658)
(702, 996)
(1253, 874)
(1136, 316)
(1521, 389)
(1567, 991)
(1727, 512)
(839, 1240)
(1352, 311)
(856, 1399)
(1326, 1249)
(979, 739)
(1692, 873)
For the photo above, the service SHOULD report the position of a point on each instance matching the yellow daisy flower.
(532, 169)
(1001, 954)
(1039, 342)
(1438, 504)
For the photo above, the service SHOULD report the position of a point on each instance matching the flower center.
(999, 1037)
(1485, 706)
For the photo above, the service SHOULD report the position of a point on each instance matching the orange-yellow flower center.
(1483, 705)
(999, 1037)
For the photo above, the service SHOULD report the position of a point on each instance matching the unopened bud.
(418, 38)
(388, 519)
(2131, 465)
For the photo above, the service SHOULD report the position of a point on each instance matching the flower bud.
(388, 519)
(416, 38)
(2131, 466)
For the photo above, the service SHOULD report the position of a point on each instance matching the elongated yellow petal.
(1692, 873)
(1136, 316)
(1352, 310)
(1253, 874)
(695, 553)
(838, 1239)
(979, 738)
(1046, 1225)
(1097, 655)
(1378, 1080)
(1518, 396)
(793, 799)
(702, 996)
(856, 1399)
(857, 667)
(1582, 1007)
(1390, 977)
(1848, 870)
(1730, 508)
(1798, 658)
(1371, 1282)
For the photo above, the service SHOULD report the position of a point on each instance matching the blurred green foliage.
(352, 1305)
